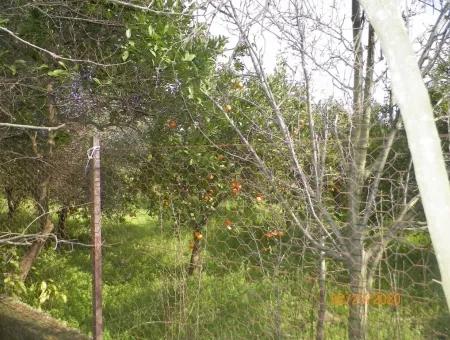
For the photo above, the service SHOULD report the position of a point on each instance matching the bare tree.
(359, 241)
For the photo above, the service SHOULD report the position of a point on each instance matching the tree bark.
(320, 328)
(46, 229)
(35, 249)
(358, 299)
(62, 218)
(12, 204)
(357, 28)
(362, 95)
(195, 264)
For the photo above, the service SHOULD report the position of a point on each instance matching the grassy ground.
(241, 294)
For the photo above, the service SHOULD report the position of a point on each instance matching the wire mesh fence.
(198, 244)
(38, 177)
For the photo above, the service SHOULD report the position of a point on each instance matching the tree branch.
(53, 54)
(33, 127)
(143, 8)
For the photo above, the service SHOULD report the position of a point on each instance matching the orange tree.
(189, 167)
(195, 161)
(93, 66)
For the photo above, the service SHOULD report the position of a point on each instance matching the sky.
(322, 46)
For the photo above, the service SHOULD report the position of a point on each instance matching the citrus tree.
(91, 66)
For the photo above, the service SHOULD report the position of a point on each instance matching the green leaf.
(204, 87)
(191, 92)
(62, 64)
(58, 73)
(43, 297)
(125, 55)
(97, 81)
(22, 286)
(188, 56)
(151, 30)
(13, 69)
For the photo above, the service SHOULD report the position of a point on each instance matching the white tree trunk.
(417, 113)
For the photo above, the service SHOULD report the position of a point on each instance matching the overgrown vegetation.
(236, 204)
(147, 292)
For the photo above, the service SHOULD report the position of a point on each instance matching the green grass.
(241, 294)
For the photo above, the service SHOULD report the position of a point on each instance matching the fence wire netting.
(201, 243)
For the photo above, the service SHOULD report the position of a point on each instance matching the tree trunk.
(12, 205)
(195, 264)
(320, 332)
(46, 228)
(359, 290)
(42, 200)
(34, 250)
(362, 94)
(61, 227)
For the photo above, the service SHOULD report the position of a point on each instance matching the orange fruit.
(228, 224)
(235, 187)
(235, 184)
(198, 235)
(208, 197)
(274, 233)
(172, 123)
(269, 234)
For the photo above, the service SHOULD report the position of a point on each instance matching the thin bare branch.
(53, 54)
(33, 127)
(144, 8)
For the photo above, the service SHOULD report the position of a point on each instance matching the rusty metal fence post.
(94, 157)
